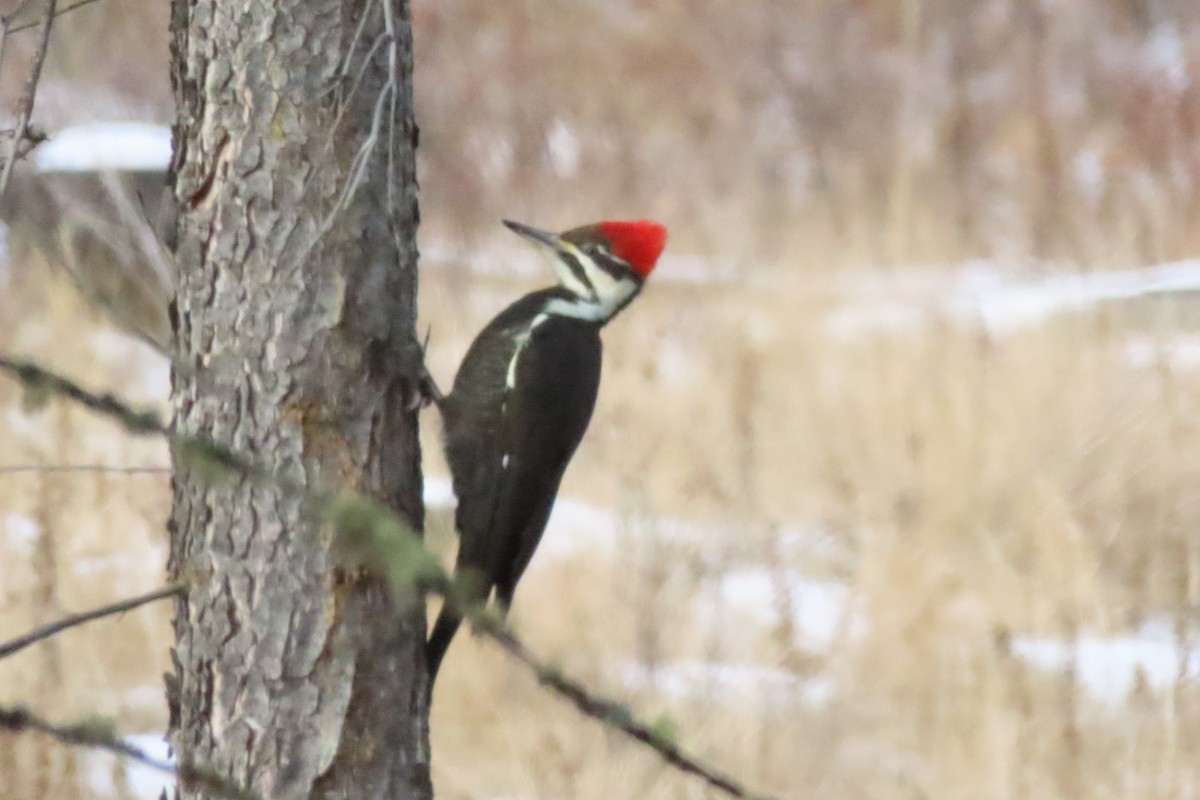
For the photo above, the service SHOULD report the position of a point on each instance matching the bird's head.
(603, 265)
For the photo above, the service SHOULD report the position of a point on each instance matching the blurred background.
(891, 488)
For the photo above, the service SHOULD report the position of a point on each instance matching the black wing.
(473, 419)
(508, 449)
(557, 379)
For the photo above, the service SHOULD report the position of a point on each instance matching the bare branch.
(58, 14)
(384, 543)
(41, 384)
(99, 734)
(5, 22)
(608, 712)
(35, 75)
(72, 620)
(17, 469)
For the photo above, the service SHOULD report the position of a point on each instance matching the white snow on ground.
(1178, 352)
(576, 527)
(732, 684)
(20, 533)
(821, 612)
(751, 601)
(144, 698)
(152, 367)
(106, 146)
(1109, 667)
(139, 560)
(107, 775)
(999, 298)
(27, 427)
(439, 493)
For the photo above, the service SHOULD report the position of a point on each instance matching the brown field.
(965, 489)
(969, 493)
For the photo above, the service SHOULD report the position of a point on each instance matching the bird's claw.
(423, 391)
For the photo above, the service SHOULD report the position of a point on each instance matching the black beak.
(549, 239)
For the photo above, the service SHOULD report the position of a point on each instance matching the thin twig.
(38, 381)
(71, 620)
(17, 469)
(99, 734)
(35, 75)
(608, 712)
(58, 14)
(379, 522)
(5, 21)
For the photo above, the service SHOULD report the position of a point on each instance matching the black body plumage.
(520, 405)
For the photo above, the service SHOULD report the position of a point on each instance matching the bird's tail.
(439, 641)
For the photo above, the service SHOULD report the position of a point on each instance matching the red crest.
(637, 243)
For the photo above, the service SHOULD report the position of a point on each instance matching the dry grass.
(971, 488)
(70, 541)
(976, 487)
(964, 488)
(911, 129)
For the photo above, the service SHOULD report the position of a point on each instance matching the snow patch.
(577, 527)
(132, 561)
(152, 368)
(730, 683)
(820, 612)
(989, 295)
(24, 424)
(439, 492)
(144, 697)
(562, 146)
(1178, 353)
(131, 146)
(1109, 667)
(20, 534)
(108, 775)
(1164, 55)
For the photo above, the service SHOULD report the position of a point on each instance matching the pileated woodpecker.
(523, 398)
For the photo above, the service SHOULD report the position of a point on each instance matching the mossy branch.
(99, 733)
(372, 536)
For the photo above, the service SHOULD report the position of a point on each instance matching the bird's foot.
(422, 390)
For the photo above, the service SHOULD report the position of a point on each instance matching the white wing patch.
(510, 377)
(522, 339)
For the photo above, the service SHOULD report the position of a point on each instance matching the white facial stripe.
(598, 293)
(566, 276)
(593, 311)
(596, 276)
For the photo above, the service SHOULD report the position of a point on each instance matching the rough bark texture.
(294, 328)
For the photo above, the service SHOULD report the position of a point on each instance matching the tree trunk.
(294, 318)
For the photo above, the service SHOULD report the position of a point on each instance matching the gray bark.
(294, 330)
